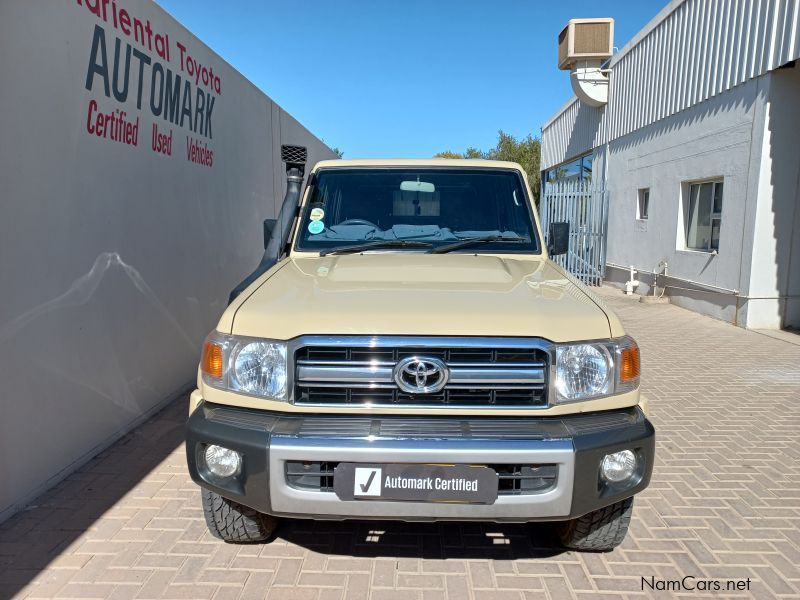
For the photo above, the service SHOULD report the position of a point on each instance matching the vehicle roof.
(418, 162)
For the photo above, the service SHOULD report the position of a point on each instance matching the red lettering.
(92, 108)
(94, 7)
(201, 155)
(125, 21)
(101, 125)
(149, 31)
(182, 48)
(161, 48)
(113, 125)
(121, 19)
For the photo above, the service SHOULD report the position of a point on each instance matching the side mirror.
(269, 225)
(559, 239)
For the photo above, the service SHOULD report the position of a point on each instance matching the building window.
(579, 169)
(643, 206)
(704, 216)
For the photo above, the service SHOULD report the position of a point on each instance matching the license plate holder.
(416, 482)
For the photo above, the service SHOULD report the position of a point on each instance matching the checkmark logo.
(367, 482)
(365, 486)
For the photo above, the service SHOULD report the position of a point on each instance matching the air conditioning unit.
(583, 46)
(585, 39)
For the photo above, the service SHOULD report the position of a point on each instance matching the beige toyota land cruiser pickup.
(406, 350)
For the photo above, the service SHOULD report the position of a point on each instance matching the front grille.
(480, 376)
(350, 354)
(313, 476)
(521, 398)
(513, 480)
(518, 480)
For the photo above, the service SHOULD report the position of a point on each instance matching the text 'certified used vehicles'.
(406, 350)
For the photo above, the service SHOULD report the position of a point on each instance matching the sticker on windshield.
(317, 214)
(316, 227)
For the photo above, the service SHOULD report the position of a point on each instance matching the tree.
(337, 152)
(526, 152)
(448, 154)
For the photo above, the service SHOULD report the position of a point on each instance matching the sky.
(407, 78)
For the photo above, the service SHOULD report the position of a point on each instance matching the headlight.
(594, 370)
(582, 371)
(246, 365)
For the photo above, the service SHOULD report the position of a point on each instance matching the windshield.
(434, 205)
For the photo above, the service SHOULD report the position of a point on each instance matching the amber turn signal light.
(212, 359)
(629, 365)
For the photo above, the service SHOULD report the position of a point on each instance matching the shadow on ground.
(442, 540)
(32, 538)
(129, 476)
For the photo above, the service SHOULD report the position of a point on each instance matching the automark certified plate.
(415, 483)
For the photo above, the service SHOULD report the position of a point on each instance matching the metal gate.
(585, 207)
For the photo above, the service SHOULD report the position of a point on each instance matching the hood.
(406, 293)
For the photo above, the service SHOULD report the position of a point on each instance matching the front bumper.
(576, 444)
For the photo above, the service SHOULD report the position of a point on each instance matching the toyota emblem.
(421, 375)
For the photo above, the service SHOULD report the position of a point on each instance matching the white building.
(697, 148)
(137, 167)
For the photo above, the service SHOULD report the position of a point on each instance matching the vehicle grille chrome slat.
(347, 384)
(488, 373)
(458, 375)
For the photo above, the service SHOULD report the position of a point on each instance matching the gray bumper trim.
(287, 501)
(576, 444)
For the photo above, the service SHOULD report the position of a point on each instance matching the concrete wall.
(719, 138)
(116, 260)
(774, 286)
(746, 137)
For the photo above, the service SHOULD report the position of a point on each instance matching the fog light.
(619, 466)
(223, 462)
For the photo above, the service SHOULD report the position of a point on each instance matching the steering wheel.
(358, 222)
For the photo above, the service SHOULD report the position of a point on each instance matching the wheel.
(234, 523)
(601, 530)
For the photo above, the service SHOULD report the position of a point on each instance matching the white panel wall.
(115, 261)
(691, 51)
(774, 261)
(573, 131)
(712, 140)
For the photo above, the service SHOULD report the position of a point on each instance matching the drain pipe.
(665, 265)
(632, 283)
(276, 244)
(708, 286)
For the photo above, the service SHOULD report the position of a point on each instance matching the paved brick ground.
(724, 503)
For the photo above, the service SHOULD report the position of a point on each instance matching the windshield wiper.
(376, 244)
(485, 239)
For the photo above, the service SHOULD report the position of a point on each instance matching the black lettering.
(143, 59)
(199, 107)
(187, 104)
(209, 107)
(100, 68)
(121, 95)
(158, 71)
(172, 97)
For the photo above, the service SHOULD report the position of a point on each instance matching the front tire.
(233, 522)
(601, 530)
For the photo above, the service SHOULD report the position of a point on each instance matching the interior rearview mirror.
(559, 238)
(269, 225)
(417, 186)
